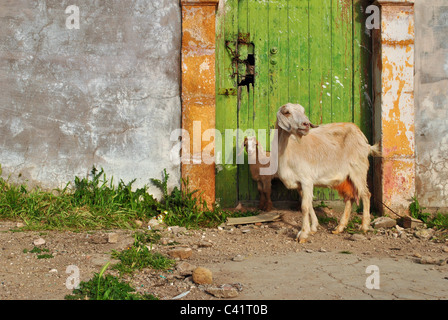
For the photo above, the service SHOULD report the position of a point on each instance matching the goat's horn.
(313, 125)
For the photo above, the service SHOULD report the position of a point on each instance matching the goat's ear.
(283, 122)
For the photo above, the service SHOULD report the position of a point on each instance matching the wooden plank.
(259, 30)
(320, 61)
(263, 217)
(320, 47)
(342, 64)
(226, 105)
(304, 53)
(295, 28)
(243, 102)
(362, 79)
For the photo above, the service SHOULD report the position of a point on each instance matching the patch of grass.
(327, 220)
(93, 203)
(96, 202)
(345, 252)
(438, 220)
(353, 225)
(182, 207)
(39, 250)
(106, 287)
(138, 256)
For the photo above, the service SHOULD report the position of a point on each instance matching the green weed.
(106, 288)
(438, 220)
(139, 256)
(95, 202)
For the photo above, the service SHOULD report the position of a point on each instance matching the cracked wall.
(431, 101)
(106, 95)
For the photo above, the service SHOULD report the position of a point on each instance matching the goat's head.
(250, 143)
(292, 119)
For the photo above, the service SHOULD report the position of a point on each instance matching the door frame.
(393, 105)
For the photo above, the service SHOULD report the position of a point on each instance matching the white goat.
(332, 155)
(259, 159)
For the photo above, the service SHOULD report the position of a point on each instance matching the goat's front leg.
(314, 221)
(307, 203)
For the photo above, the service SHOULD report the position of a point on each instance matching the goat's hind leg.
(345, 216)
(365, 211)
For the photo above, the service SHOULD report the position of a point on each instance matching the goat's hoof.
(364, 229)
(303, 240)
(335, 232)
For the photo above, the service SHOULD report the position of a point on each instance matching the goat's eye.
(286, 113)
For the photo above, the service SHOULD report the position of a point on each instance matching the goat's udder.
(347, 190)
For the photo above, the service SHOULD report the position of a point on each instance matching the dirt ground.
(259, 261)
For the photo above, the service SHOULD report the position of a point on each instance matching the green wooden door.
(270, 52)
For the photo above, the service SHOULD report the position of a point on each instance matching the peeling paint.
(394, 103)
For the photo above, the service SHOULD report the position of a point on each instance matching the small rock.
(323, 212)
(176, 229)
(39, 242)
(430, 260)
(185, 268)
(181, 253)
(384, 222)
(205, 244)
(154, 223)
(20, 225)
(238, 258)
(445, 249)
(53, 271)
(202, 275)
(98, 238)
(112, 237)
(424, 234)
(224, 291)
(101, 260)
(138, 223)
(322, 250)
(309, 250)
(357, 237)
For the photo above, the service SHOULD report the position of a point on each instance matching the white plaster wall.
(431, 101)
(105, 95)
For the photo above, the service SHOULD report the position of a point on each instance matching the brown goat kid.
(263, 181)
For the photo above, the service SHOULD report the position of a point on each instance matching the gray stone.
(424, 234)
(224, 291)
(357, 237)
(180, 253)
(39, 242)
(185, 268)
(112, 237)
(238, 258)
(384, 222)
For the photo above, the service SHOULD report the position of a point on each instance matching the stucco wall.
(106, 95)
(431, 101)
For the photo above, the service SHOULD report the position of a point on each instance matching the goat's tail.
(375, 150)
